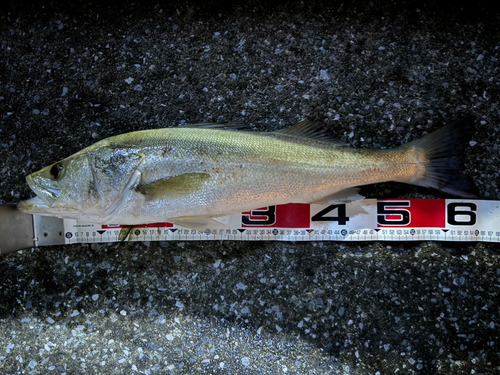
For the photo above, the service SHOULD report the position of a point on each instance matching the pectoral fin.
(172, 187)
(199, 223)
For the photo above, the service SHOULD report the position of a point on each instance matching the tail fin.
(442, 148)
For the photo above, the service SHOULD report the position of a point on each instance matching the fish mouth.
(32, 205)
(44, 199)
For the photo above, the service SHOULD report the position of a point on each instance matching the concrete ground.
(379, 73)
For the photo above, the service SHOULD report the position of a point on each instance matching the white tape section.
(365, 220)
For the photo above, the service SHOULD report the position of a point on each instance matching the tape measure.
(364, 220)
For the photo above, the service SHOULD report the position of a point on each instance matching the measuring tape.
(364, 220)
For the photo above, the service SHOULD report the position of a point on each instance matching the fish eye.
(56, 171)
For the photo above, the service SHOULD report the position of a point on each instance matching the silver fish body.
(190, 175)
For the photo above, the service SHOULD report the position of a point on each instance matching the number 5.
(387, 208)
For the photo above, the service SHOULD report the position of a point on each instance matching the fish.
(193, 175)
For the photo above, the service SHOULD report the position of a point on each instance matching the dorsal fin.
(217, 125)
(311, 129)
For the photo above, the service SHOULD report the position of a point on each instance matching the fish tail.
(444, 171)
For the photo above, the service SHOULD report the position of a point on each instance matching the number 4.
(341, 217)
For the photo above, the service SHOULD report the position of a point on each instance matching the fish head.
(88, 185)
(62, 187)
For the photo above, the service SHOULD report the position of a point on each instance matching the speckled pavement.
(378, 73)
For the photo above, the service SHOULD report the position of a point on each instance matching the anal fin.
(343, 196)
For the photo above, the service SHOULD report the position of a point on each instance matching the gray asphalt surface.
(379, 75)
